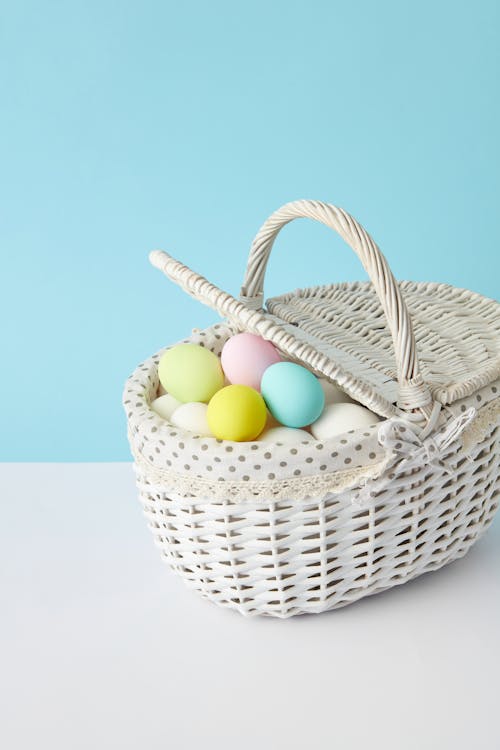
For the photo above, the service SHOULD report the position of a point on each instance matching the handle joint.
(253, 302)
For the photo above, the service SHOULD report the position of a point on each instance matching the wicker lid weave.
(457, 334)
(397, 348)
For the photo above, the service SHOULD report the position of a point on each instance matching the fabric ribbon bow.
(409, 450)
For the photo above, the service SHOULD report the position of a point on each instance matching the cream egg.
(285, 435)
(165, 405)
(192, 417)
(334, 394)
(339, 418)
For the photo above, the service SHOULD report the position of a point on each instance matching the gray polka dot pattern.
(166, 447)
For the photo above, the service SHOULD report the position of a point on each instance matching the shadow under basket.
(281, 530)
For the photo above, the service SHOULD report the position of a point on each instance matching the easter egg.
(190, 373)
(339, 418)
(333, 394)
(193, 418)
(165, 405)
(245, 357)
(236, 412)
(284, 435)
(292, 394)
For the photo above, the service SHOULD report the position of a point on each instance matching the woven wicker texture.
(436, 484)
(283, 558)
(457, 334)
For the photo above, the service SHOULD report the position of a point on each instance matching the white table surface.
(103, 647)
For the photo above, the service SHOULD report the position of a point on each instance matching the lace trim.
(152, 479)
(485, 419)
(294, 488)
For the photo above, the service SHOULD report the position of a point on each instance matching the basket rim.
(148, 431)
(153, 440)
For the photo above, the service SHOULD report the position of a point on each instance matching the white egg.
(339, 418)
(165, 405)
(193, 418)
(333, 394)
(286, 435)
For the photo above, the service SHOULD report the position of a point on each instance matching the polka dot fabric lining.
(191, 464)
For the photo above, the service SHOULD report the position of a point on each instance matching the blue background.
(129, 126)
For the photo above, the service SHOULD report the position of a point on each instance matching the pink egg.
(245, 357)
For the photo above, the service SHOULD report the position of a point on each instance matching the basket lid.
(364, 336)
(457, 334)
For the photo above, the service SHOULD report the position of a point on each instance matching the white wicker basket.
(282, 530)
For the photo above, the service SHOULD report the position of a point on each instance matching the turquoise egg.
(293, 395)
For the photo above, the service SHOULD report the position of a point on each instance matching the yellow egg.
(236, 412)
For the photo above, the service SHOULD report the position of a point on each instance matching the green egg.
(190, 373)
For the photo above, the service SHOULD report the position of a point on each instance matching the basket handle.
(413, 393)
